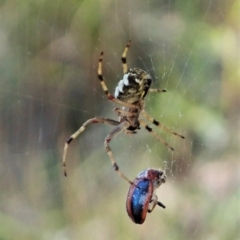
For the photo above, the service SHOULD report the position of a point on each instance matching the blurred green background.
(48, 87)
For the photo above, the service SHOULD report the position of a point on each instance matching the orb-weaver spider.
(130, 93)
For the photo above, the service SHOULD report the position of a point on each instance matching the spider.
(129, 93)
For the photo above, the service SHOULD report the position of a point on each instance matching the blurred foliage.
(48, 88)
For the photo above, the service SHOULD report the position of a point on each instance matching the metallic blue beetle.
(141, 195)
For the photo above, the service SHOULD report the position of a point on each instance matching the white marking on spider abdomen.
(125, 79)
(123, 82)
(116, 92)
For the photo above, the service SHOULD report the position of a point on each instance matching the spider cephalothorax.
(129, 94)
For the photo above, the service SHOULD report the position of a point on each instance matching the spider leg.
(124, 58)
(79, 131)
(115, 131)
(154, 90)
(105, 89)
(155, 203)
(155, 134)
(158, 124)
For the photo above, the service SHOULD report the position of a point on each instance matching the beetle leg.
(161, 205)
(155, 202)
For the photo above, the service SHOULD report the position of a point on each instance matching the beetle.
(141, 196)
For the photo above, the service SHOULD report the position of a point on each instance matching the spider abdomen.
(134, 86)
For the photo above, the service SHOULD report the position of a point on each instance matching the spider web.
(49, 54)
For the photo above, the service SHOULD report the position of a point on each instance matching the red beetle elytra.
(141, 197)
